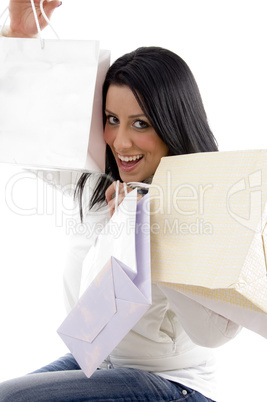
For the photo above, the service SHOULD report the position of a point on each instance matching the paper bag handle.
(142, 188)
(138, 184)
(117, 193)
(36, 20)
(1, 16)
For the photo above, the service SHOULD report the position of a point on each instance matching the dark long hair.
(168, 94)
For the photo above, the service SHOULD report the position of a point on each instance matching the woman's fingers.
(111, 191)
(50, 6)
(22, 21)
(114, 203)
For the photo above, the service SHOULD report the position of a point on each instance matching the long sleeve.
(202, 325)
(81, 234)
(63, 180)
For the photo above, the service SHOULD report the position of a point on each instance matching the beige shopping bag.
(51, 103)
(209, 232)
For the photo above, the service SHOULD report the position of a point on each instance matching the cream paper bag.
(208, 232)
(51, 103)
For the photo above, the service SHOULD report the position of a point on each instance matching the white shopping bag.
(51, 103)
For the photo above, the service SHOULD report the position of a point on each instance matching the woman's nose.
(122, 139)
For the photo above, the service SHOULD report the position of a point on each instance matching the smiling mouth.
(128, 163)
(130, 158)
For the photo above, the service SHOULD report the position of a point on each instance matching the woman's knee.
(13, 390)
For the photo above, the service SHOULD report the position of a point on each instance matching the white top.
(174, 337)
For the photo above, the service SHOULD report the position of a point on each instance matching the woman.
(160, 87)
(152, 108)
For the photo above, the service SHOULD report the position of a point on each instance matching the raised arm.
(22, 22)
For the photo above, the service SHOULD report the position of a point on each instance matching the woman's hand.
(22, 22)
(110, 195)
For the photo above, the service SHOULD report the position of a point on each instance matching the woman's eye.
(140, 124)
(112, 120)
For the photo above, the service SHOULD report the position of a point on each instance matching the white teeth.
(129, 158)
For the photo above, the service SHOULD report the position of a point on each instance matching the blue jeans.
(64, 381)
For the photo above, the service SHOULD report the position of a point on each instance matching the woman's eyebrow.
(108, 111)
(132, 116)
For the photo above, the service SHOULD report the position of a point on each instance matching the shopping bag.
(208, 232)
(51, 103)
(116, 286)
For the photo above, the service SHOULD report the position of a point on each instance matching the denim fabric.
(64, 381)
(64, 363)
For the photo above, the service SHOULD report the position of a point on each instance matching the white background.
(224, 43)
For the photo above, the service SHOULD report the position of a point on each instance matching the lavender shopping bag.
(116, 286)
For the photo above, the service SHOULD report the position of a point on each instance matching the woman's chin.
(130, 176)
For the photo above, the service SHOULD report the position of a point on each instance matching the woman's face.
(135, 145)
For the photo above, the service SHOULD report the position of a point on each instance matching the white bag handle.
(138, 184)
(142, 188)
(36, 21)
(1, 16)
(117, 193)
